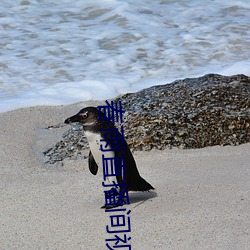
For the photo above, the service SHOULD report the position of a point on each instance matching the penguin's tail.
(140, 185)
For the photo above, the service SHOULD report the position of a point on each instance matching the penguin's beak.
(74, 118)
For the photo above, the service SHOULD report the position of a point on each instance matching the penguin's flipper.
(93, 167)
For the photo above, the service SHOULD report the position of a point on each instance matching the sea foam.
(63, 52)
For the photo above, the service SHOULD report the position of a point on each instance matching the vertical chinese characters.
(114, 171)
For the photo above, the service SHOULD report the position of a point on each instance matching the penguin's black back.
(132, 177)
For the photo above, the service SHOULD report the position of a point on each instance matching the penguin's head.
(87, 116)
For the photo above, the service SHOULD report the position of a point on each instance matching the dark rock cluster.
(190, 113)
(71, 146)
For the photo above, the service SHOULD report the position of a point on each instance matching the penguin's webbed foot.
(109, 206)
(118, 203)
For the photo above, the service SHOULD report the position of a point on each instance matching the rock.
(190, 113)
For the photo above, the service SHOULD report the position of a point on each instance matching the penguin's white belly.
(94, 140)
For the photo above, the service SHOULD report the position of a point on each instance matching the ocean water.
(61, 52)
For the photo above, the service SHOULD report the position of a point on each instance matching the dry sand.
(201, 200)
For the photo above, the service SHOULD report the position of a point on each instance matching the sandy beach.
(201, 198)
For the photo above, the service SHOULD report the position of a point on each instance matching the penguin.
(89, 118)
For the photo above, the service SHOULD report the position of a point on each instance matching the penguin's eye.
(84, 115)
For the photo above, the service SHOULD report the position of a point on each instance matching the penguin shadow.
(138, 198)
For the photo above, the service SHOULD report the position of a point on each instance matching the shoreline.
(201, 199)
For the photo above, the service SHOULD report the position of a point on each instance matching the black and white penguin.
(89, 118)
